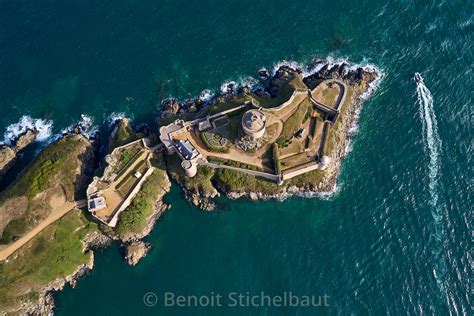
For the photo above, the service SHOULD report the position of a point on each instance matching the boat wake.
(432, 146)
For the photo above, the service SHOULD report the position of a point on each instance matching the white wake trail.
(432, 145)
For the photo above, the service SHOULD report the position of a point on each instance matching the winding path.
(54, 216)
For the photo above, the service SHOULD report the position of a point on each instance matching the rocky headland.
(8, 153)
(210, 183)
(84, 156)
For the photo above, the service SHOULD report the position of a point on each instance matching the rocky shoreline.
(363, 80)
(45, 304)
(9, 153)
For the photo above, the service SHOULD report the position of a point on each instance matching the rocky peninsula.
(63, 251)
(8, 153)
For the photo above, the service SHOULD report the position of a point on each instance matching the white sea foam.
(247, 81)
(432, 146)
(86, 125)
(42, 126)
(115, 116)
(206, 95)
(225, 85)
(310, 68)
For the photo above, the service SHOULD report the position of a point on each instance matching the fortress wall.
(130, 197)
(300, 170)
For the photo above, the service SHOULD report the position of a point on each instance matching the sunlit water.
(396, 237)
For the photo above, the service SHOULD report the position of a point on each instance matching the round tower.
(254, 123)
(190, 168)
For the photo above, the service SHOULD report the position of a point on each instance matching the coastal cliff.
(61, 173)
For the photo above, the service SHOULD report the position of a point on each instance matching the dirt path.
(57, 214)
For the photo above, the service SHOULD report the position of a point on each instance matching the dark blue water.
(396, 237)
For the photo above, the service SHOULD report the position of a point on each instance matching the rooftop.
(254, 120)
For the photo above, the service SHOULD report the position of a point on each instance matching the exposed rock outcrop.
(135, 251)
(282, 76)
(8, 154)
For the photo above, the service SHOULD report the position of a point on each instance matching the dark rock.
(333, 71)
(170, 107)
(263, 74)
(343, 70)
(323, 71)
(8, 154)
(135, 251)
(282, 76)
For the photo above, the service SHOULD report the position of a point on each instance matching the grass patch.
(227, 104)
(327, 95)
(201, 182)
(310, 179)
(212, 147)
(58, 161)
(134, 218)
(127, 157)
(14, 229)
(334, 132)
(295, 121)
(230, 180)
(234, 163)
(55, 252)
(125, 134)
(283, 95)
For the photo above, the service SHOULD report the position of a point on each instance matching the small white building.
(96, 204)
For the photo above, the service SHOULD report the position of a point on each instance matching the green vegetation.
(134, 218)
(139, 167)
(124, 135)
(308, 114)
(230, 180)
(332, 138)
(58, 161)
(53, 172)
(54, 253)
(14, 228)
(201, 182)
(294, 122)
(234, 163)
(308, 179)
(130, 181)
(233, 127)
(227, 104)
(284, 94)
(211, 147)
(127, 158)
(326, 95)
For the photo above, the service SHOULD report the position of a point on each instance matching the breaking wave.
(115, 116)
(432, 146)
(85, 124)
(316, 64)
(246, 81)
(42, 126)
(206, 95)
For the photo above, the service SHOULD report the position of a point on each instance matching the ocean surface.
(397, 236)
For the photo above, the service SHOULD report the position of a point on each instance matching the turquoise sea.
(396, 238)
